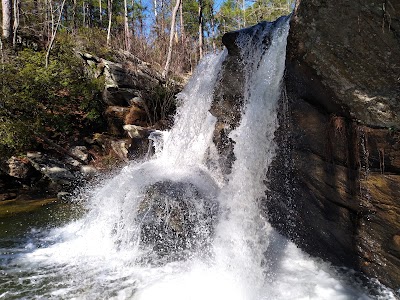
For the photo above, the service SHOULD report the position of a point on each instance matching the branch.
(53, 37)
(171, 39)
(58, 148)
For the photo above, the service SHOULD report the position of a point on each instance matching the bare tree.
(17, 4)
(155, 10)
(182, 26)
(127, 35)
(2, 55)
(171, 38)
(201, 26)
(140, 17)
(74, 11)
(213, 34)
(109, 8)
(6, 14)
(84, 13)
(100, 14)
(54, 31)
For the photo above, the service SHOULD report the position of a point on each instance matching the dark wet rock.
(8, 196)
(338, 159)
(9, 186)
(52, 168)
(228, 95)
(176, 219)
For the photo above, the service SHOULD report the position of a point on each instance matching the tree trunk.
(127, 36)
(100, 15)
(6, 14)
(182, 24)
(244, 13)
(2, 55)
(74, 15)
(47, 21)
(17, 5)
(54, 32)
(171, 39)
(201, 25)
(141, 23)
(84, 13)
(213, 29)
(109, 8)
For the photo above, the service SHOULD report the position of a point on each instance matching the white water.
(101, 256)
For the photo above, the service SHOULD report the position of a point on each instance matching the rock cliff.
(339, 136)
(336, 178)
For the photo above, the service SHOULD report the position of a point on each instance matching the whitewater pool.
(36, 262)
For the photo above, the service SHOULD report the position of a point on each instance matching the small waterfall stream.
(175, 227)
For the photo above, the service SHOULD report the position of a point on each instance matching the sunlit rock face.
(339, 154)
(344, 57)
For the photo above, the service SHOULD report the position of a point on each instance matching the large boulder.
(176, 219)
(339, 154)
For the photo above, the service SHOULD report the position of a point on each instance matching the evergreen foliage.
(55, 101)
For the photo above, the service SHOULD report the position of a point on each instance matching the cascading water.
(173, 227)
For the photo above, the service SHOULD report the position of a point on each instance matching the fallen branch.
(58, 148)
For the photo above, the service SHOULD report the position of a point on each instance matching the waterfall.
(174, 227)
(242, 232)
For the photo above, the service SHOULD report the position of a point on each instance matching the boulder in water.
(176, 218)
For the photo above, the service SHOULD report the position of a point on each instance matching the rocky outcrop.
(228, 95)
(335, 181)
(39, 175)
(345, 58)
(123, 80)
(137, 99)
(340, 142)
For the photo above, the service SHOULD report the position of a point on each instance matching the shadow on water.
(274, 255)
(24, 227)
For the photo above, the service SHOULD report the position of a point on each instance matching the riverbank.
(14, 207)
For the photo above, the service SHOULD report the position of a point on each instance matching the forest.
(45, 91)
